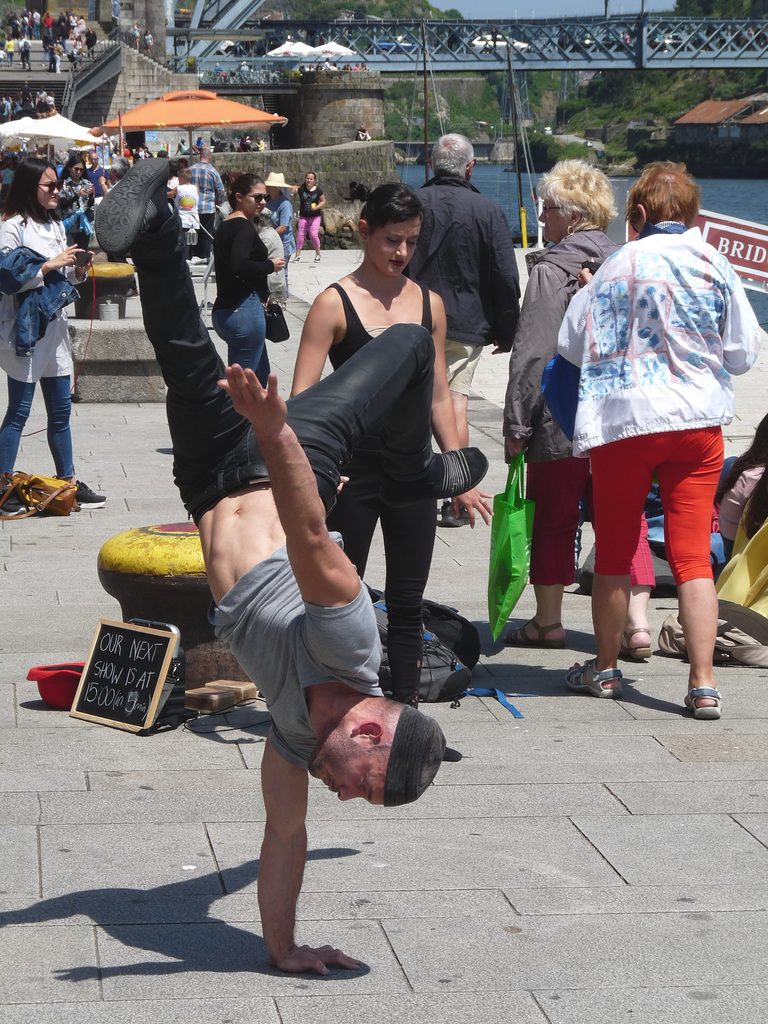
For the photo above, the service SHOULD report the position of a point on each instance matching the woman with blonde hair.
(577, 208)
(657, 334)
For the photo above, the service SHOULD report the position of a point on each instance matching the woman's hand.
(279, 263)
(66, 258)
(474, 501)
(515, 445)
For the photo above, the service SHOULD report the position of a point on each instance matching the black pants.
(385, 388)
(409, 537)
(204, 245)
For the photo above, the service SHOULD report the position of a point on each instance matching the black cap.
(416, 754)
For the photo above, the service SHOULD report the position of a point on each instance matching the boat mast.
(426, 112)
(513, 103)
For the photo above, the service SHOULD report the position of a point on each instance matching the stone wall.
(141, 80)
(330, 106)
(372, 163)
(452, 87)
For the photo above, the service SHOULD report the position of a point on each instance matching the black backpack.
(444, 675)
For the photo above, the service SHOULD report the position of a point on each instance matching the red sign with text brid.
(743, 242)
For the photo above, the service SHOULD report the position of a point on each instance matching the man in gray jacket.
(465, 253)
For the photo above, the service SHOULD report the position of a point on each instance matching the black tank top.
(356, 335)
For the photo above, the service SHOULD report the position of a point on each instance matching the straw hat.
(276, 181)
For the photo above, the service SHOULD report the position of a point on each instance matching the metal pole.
(426, 97)
(513, 99)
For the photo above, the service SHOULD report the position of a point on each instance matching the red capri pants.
(557, 488)
(687, 464)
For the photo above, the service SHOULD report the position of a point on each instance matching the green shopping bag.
(511, 530)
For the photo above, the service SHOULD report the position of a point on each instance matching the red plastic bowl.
(57, 684)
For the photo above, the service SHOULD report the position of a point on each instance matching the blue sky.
(551, 8)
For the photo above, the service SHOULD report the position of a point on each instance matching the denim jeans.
(384, 388)
(58, 405)
(243, 330)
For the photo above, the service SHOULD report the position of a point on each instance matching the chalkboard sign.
(125, 680)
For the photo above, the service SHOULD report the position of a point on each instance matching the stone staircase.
(12, 77)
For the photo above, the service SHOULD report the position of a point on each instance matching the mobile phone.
(83, 257)
(591, 265)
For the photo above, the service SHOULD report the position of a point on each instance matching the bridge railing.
(592, 43)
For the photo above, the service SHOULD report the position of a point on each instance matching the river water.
(744, 198)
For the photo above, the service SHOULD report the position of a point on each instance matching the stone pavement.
(594, 861)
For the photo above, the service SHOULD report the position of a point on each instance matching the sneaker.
(297, 257)
(13, 506)
(317, 257)
(198, 261)
(86, 498)
(138, 202)
(449, 474)
(449, 520)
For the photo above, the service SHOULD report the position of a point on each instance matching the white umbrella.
(290, 48)
(332, 50)
(57, 130)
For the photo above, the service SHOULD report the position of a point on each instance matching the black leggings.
(409, 537)
(385, 388)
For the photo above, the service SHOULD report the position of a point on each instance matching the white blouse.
(52, 355)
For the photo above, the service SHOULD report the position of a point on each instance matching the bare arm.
(281, 868)
(324, 321)
(443, 416)
(325, 575)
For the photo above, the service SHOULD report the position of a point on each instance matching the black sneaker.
(138, 202)
(13, 506)
(86, 498)
(448, 519)
(449, 474)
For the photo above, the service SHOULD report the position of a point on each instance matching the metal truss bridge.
(633, 41)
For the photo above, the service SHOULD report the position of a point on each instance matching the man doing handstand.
(258, 476)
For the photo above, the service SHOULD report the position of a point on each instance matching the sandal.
(586, 679)
(522, 638)
(626, 650)
(711, 711)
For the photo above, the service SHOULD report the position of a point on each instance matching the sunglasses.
(259, 197)
(51, 186)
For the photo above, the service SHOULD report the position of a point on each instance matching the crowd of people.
(654, 328)
(67, 36)
(26, 103)
(463, 289)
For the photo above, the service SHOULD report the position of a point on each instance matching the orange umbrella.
(194, 108)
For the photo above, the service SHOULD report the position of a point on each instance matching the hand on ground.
(307, 958)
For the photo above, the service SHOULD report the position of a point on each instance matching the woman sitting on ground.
(738, 483)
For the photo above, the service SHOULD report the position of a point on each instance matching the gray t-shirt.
(285, 644)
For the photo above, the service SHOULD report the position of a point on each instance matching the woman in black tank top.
(343, 319)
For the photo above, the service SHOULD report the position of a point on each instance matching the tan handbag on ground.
(39, 494)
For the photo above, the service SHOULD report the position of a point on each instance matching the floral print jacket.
(657, 334)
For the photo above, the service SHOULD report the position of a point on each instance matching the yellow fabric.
(745, 579)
